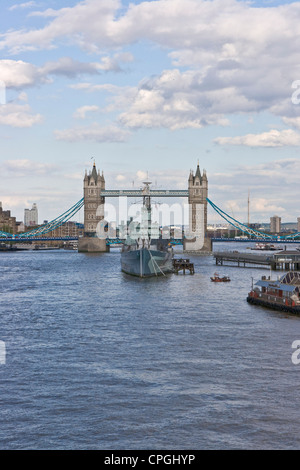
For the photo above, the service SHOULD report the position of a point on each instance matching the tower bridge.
(95, 194)
(94, 200)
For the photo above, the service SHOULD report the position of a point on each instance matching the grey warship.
(146, 257)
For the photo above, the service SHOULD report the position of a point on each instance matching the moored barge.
(283, 294)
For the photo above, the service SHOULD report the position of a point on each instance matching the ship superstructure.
(145, 256)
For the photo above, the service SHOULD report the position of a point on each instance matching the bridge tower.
(198, 192)
(93, 185)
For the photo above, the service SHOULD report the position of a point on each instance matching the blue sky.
(151, 87)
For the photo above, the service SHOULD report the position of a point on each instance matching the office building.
(275, 224)
(31, 216)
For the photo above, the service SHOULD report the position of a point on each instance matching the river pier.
(285, 260)
(183, 264)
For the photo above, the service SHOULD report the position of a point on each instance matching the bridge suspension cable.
(49, 226)
(293, 236)
(244, 228)
(5, 234)
(66, 216)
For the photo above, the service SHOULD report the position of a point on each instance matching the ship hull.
(273, 305)
(146, 262)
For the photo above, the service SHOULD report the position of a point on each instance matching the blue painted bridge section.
(39, 232)
(17, 239)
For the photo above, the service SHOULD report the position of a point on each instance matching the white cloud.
(84, 23)
(94, 133)
(22, 6)
(22, 96)
(273, 138)
(13, 202)
(91, 88)
(294, 122)
(16, 115)
(113, 63)
(249, 65)
(279, 174)
(74, 176)
(49, 13)
(68, 67)
(19, 74)
(229, 58)
(141, 175)
(81, 112)
(270, 186)
(186, 26)
(173, 100)
(26, 167)
(263, 205)
(261, 208)
(120, 178)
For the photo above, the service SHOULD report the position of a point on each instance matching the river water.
(96, 359)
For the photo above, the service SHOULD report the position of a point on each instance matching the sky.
(151, 87)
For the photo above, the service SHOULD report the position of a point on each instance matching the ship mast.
(147, 206)
(248, 207)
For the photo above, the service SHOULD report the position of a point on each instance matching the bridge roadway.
(16, 239)
(141, 193)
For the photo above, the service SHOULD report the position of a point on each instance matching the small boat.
(281, 294)
(217, 278)
(266, 247)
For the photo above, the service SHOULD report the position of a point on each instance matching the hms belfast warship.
(146, 257)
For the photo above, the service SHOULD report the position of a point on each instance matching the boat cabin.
(284, 290)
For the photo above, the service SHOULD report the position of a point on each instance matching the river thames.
(96, 359)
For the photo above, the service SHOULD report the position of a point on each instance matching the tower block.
(93, 185)
(197, 240)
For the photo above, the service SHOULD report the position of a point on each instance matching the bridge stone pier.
(195, 240)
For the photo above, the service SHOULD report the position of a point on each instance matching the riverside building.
(31, 216)
(275, 224)
(7, 222)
